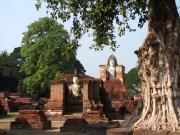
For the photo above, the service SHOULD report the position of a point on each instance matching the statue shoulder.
(71, 86)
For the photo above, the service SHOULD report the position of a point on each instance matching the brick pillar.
(103, 72)
(96, 90)
(57, 96)
(120, 69)
(90, 90)
(86, 102)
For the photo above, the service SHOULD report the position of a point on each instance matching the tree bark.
(158, 68)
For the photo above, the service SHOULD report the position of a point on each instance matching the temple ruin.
(104, 97)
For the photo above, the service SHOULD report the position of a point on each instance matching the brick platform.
(20, 125)
(93, 116)
(73, 125)
(25, 101)
(100, 128)
(3, 112)
(30, 119)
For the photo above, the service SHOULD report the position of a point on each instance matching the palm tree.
(4, 54)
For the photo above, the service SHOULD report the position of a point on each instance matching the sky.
(16, 15)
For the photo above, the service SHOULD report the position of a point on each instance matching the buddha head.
(112, 62)
(75, 78)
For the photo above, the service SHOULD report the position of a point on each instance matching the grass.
(39, 132)
(10, 116)
(55, 130)
(5, 126)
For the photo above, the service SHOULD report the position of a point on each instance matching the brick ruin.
(89, 103)
(31, 115)
(117, 104)
(11, 102)
(102, 98)
(30, 119)
(3, 112)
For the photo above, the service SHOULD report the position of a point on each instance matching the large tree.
(98, 16)
(79, 67)
(158, 68)
(43, 46)
(10, 65)
(158, 58)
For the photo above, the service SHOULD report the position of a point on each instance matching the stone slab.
(77, 129)
(120, 131)
(19, 125)
(100, 128)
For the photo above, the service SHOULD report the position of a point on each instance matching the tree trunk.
(158, 68)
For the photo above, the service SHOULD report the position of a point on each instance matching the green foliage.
(4, 54)
(131, 92)
(98, 16)
(79, 67)
(15, 62)
(42, 46)
(132, 78)
(9, 70)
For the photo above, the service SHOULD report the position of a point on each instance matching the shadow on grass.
(10, 115)
(5, 127)
(39, 132)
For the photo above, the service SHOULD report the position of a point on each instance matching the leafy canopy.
(4, 54)
(79, 67)
(132, 81)
(132, 78)
(9, 70)
(10, 63)
(98, 16)
(42, 46)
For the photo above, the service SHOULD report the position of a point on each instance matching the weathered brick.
(31, 116)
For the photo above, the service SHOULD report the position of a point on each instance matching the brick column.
(91, 90)
(86, 102)
(120, 69)
(103, 72)
(57, 97)
(96, 90)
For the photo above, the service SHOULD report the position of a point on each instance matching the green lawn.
(55, 130)
(39, 132)
(10, 116)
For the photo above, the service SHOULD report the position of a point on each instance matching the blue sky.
(16, 15)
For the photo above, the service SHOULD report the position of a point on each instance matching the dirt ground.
(5, 125)
(150, 132)
(56, 130)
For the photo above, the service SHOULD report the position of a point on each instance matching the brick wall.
(116, 90)
(57, 95)
(57, 91)
(30, 119)
(103, 72)
(31, 116)
(120, 73)
(18, 95)
(136, 97)
(25, 101)
(4, 94)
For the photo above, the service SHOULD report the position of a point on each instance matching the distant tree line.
(132, 81)
(42, 56)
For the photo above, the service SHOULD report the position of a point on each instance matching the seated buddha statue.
(75, 90)
(111, 68)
